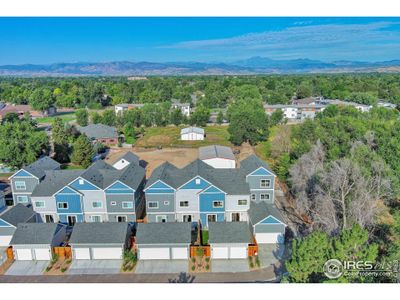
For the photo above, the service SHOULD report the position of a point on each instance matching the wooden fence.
(200, 251)
(63, 251)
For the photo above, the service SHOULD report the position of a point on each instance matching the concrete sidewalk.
(161, 266)
(98, 266)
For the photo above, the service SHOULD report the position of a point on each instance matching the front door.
(71, 220)
(235, 217)
(121, 219)
(187, 218)
(49, 218)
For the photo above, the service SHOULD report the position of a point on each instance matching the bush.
(207, 267)
(251, 265)
(258, 262)
(63, 270)
(48, 268)
(193, 259)
(207, 259)
(200, 252)
(68, 261)
(193, 268)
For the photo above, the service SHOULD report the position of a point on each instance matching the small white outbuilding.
(219, 157)
(192, 134)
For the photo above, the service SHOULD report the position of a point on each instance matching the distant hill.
(253, 65)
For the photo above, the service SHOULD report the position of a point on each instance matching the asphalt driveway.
(27, 267)
(270, 254)
(161, 266)
(229, 265)
(95, 266)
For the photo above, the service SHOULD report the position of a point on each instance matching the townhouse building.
(200, 192)
(101, 193)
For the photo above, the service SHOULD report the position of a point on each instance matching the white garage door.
(24, 254)
(220, 252)
(42, 254)
(180, 253)
(81, 253)
(154, 253)
(5, 240)
(269, 238)
(238, 252)
(107, 253)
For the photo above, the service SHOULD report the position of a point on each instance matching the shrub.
(200, 251)
(193, 259)
(207, 259)
(63, 269)
(48, 268)
(251, 265)
(68, 261)
(207, 267)
(193, 268)
(258, 262)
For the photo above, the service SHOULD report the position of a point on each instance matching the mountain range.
(250, 66)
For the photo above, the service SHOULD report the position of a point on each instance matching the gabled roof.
(17, 214)
(99, 233)
(43, 164)
(54, 181)
(164, 233)
(229, 232)
(192, 129)
(252, 163)
(130, 157)
(35, 233)
(98, 131)
(260, 210)
(215, 151)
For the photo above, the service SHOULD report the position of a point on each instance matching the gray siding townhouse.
(25, 180)
(100, 193)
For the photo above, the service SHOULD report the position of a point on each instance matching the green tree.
(83, 152)
(276, 117)
(10, 117)
(82, 117)
(176, 117)
(60, 140)
(96, 117)
(220, 118)
(41, 99)
(200, 117)
(108, 117)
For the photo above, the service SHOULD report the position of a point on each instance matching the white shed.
(192, 134)
(219, 157)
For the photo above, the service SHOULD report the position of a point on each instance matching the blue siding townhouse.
(100, 193)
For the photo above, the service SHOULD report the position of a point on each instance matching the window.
(187, 218)
(113, 203)
(211, 218)
(81, 181)
(197, 180)
(97, 204)
(152, 204)
(217, 204)
(62, 205)
(166, 202)
(161, 219)
(22, 199)
(20, 185)
(264, 196)
(95, 218)
(242, 202)
(184, 203)
(40, 204)
(265, 183)
(127, 205)
(121, 219)
(253, 196)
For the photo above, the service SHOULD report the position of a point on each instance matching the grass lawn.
(170, 137)
(66, 117)
(71, 167)
(130, 140)
(204, 237)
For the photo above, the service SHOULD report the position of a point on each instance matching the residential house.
(219, 157)
(21, 109)
(25, 180)
(184, 107)
(100, 193)
(35, 241)
(9, 219)
(229, 240)
(100, 240)
(100, 133)
(192, 134)
(121, 108)
(2, 200)
(163, 241)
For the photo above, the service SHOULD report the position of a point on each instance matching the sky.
(46, 40)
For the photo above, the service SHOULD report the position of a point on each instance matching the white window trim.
(155, 207)
(44, 204)
(216, 217)
(130, 203)
(267, 186)
(20, 188)
(58, 205)
(162, 216)
(180, 203)
(183, 216)
(266, 198)
(122, 216)
(253, 196)
(242, 200)
(81, 181)
(222, 206)
(24, 197)
(101, 204)
(94, 216)
(198, 181)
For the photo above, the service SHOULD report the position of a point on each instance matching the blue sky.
(50, 40)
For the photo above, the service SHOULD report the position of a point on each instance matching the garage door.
(24, 254)
(180, 253)
(5, 240)
(107, 253)
(220, 252)
(238, 252)
(269, 238)
(154, 253)
(81, 253)
(42, 254)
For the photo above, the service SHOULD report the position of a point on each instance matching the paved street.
(230, 265)
(161, 266)
(99, 266)
(27, 267)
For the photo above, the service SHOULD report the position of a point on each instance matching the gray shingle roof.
(17, 214)
(192, 129)
(252, 163)
(260, 210)
(229, 232)
(34, 233)
(54, 181)
(98, 131)
(43, 164)
(130, 157)
(99, 233)
(215, 151)
(230, 181)
(163, 233)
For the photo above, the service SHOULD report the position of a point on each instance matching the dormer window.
(197, 180)
(81, 181)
